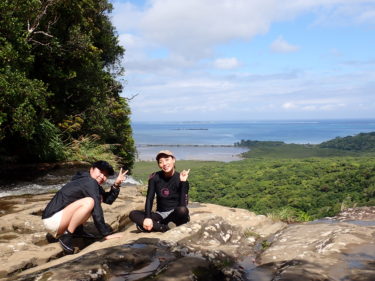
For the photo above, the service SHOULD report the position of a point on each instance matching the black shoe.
(171, 225)
(164, 227)
(66, 242)
(81, 233)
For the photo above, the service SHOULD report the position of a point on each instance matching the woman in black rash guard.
(171, 190)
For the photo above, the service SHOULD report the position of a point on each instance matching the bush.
(90, 150)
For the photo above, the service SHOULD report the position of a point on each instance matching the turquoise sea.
(210, 141)
(215, 140)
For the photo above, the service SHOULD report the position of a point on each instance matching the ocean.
(215, 140)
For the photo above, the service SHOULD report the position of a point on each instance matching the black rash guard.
(83, 185)
(170, 192)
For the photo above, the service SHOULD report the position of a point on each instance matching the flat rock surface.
(219, 243)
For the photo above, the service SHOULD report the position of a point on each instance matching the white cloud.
(289, 105)
(282, 46)
(184, 82)
(344, 12)
(189, 98)
(131, 41)
(367, 17)
(226, 63)
(193, 27)
(125, 16)
(325, 104)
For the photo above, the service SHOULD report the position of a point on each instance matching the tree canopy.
(308, 188)
(59, 61)
(360, 142)
(358, 145)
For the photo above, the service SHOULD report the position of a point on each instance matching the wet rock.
(10, 172)
(321, 251)
(356, 214)
(102, 264)
(214, 235)
(219, 243)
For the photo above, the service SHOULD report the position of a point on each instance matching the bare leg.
(75, 214)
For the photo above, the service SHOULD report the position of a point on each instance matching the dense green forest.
(359, 145)
(288, 181)
(302, 188)
(60, 100)
(363, 142)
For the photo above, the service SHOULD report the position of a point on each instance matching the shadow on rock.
(293, 270)
(145, 258)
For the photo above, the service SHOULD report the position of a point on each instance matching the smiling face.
(166, 164)
(98, 175)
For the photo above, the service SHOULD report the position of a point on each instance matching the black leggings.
(180, 215)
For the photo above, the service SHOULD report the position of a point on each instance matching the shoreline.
(221, 153)
(186, 145)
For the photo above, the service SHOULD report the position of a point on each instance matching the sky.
(227, 60)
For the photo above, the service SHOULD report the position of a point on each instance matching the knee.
(133, 216)
(88, 203)
(182, 211)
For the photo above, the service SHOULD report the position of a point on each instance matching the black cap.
(104, 166)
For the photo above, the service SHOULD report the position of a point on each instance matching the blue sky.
(203, 60)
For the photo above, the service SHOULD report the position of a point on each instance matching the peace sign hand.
(184, 175)
(120, 178)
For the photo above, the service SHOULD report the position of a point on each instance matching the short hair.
(104, 166)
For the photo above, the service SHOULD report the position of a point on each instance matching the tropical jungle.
(60, 83)
(291, 182)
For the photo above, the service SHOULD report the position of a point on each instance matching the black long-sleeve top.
(170, 192)
(83, 185)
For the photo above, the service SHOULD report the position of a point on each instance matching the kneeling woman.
(171, 189)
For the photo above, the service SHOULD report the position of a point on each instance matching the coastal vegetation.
(286, 181)
(60, 97)
(296, 189)
(362, 143)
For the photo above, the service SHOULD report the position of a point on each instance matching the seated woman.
(171, 189)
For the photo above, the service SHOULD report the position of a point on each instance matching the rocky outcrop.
(322, 251)
(219, 243)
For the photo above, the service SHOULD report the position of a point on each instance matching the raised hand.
(184, 175)
(120, 178)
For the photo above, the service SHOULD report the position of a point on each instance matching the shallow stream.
(51, 181)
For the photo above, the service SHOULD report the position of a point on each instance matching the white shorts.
(165, 214)
(52, 223)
